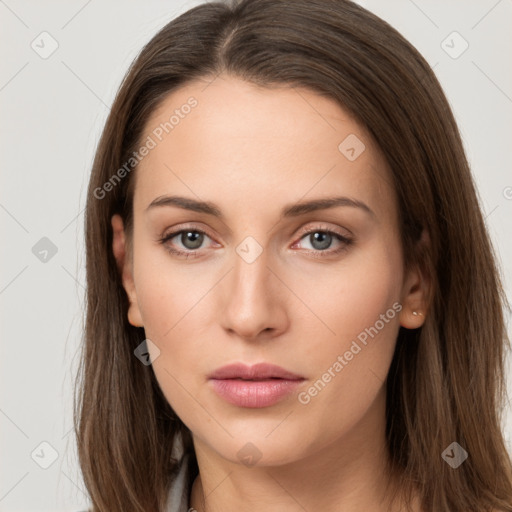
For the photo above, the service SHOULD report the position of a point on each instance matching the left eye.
(322, 240)
(190, 239)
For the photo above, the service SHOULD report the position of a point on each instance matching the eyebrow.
(291, 210)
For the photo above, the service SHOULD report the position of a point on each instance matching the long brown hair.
(446, 381)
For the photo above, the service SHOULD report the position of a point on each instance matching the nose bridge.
(251, 276)
(251, 300)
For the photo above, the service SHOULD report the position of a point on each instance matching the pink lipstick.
(260, 385)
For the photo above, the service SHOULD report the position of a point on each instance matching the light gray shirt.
(179, 492)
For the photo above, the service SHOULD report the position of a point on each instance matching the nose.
(255, 298)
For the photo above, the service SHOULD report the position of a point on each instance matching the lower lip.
(254, 393)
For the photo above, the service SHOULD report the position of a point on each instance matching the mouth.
(257, 380)
(260, 371)
(261, 385)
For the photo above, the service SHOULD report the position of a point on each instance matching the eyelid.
(172, 232)
(322, 227)
(176, 230)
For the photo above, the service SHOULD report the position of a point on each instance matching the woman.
(292, 299)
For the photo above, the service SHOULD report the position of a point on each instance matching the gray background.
(52, 112)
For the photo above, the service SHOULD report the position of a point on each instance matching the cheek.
(168, 310)
(351, 365)
(172, 306)
(173, 301)
(351, 298)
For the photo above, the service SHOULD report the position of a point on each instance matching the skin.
(251, 151)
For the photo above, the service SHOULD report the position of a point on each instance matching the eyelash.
(346, 241)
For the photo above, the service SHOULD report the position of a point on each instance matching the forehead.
(233, 142)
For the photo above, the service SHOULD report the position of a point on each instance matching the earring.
(417, 314)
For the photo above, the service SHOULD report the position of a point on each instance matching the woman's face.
(319, 292)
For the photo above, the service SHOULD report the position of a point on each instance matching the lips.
(259, 371)
(261, 385)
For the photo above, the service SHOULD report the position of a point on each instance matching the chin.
(257, 443)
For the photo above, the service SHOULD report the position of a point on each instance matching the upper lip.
(258, 371)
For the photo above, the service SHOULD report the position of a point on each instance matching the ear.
(125, 269)
(415, 291)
